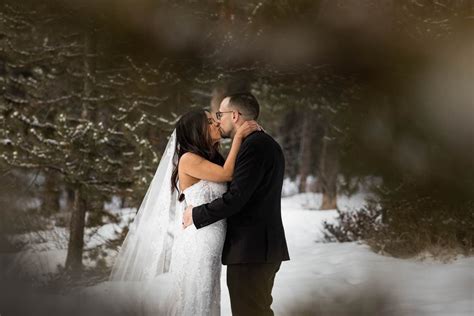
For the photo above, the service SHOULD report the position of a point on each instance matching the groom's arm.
(248, 173)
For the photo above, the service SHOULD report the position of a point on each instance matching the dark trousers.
(250, 288)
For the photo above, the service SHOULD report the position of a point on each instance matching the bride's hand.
(247, 128)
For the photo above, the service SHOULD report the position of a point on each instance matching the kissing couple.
(202, 210)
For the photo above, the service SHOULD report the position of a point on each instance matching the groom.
(255, 243)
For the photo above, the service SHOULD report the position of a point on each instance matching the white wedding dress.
(192, 285)
(196, 262)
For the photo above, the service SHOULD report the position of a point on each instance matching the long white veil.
(147, 249)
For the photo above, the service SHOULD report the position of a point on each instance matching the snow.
(289, 188)
(325, 278)
(5, 141)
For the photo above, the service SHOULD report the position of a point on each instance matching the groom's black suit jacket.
(252, 205)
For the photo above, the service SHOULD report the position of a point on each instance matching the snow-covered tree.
(67, 109)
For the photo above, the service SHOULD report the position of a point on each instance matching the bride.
(161, 267)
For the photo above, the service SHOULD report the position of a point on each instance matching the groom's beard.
(224, 134)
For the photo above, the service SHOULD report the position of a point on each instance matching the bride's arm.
(200, 168)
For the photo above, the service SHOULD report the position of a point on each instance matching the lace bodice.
(203, 192)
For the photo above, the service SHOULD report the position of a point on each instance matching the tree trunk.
(305, 150)
(218, 94)
(76, 235)
(328, 168)
(290, 133)
(89, 73)
(77, 223)
(69, 197)
(51, 195)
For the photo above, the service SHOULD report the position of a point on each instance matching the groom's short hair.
(246, 103)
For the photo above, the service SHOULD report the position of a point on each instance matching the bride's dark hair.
(192, 135)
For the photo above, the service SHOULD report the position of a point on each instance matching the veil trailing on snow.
(147, 249)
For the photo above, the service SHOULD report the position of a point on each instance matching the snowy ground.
(328, 278)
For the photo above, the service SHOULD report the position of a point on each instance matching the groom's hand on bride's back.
(188, 217)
